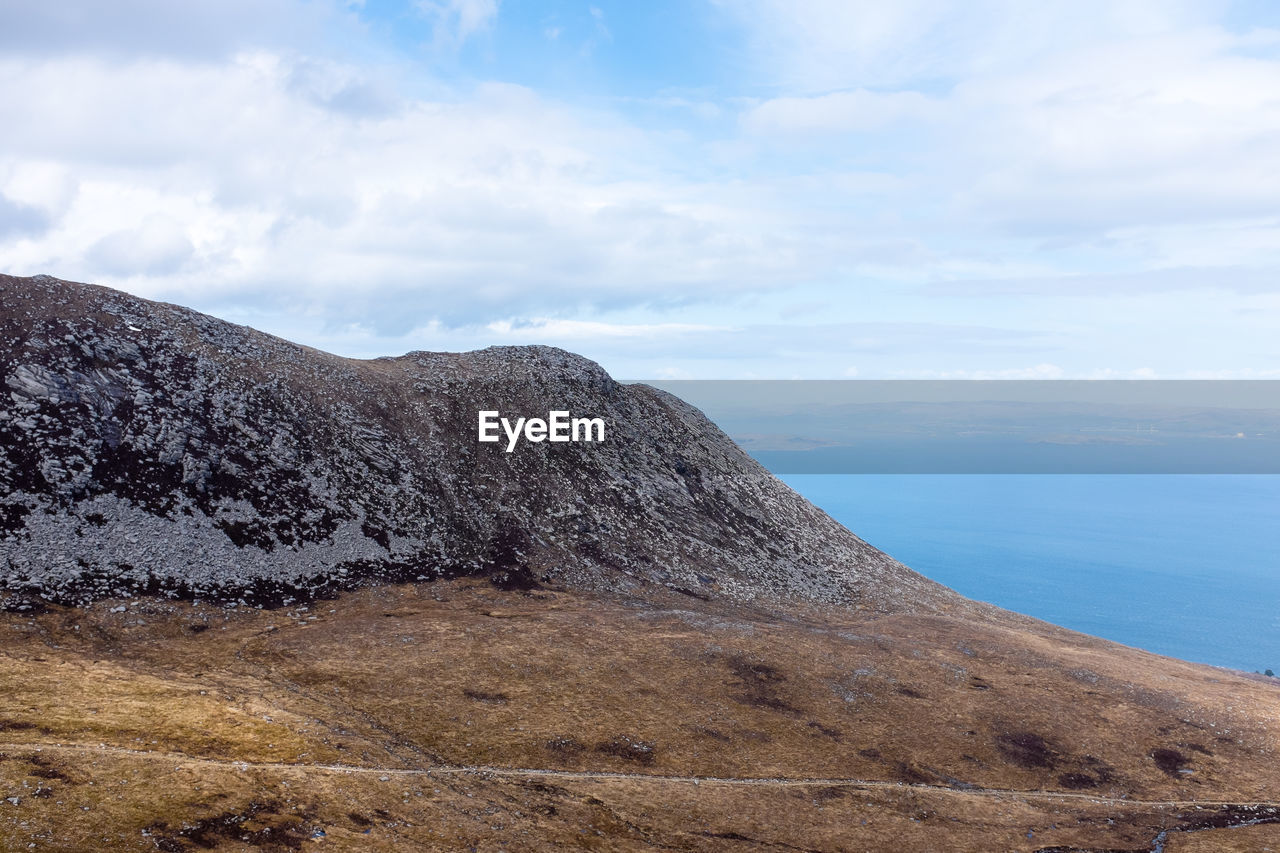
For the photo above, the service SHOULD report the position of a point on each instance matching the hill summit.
(146, 447)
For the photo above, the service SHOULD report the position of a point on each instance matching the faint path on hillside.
(485, 771)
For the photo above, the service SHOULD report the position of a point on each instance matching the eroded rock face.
(147, 447)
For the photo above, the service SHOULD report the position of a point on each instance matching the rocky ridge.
(145, 447)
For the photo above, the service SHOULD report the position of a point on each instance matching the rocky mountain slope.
(149, 448)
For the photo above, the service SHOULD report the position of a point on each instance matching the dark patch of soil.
(628, 748)
(260, 825)
(44, 769)
(834, 734)
(1170, 761)
(1228, 816)
(760, 683)
(565, 747)
(1078, 781)
(487, 698)
(1026, 749)
(913, 775)
(16, 726)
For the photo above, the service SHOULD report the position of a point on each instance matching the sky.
(711, 189)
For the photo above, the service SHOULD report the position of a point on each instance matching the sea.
(1185, 565)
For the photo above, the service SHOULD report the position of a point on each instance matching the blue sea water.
(1182, 565)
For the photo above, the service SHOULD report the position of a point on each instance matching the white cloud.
(809, 46)
(857, 110)
(921, 166)
(540, 329)
(1137, 135)
(602, 29)
(203, 29)
(159, 246)
(1175, 129)
(454, 21)
(386, 211)
(836, 44)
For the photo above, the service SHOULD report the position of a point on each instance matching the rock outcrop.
(145, 447)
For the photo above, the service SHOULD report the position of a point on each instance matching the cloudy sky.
(706, 188)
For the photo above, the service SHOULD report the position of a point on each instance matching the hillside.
(457, 716)
(259, 597)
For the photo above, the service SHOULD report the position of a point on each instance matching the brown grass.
(943, 714)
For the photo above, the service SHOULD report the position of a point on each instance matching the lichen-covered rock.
(149, 448)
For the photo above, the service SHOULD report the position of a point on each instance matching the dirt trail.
(606, 775)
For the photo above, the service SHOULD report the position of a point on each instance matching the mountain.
(638, 643)
(150, 448)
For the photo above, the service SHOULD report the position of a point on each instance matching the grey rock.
(146, 447)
